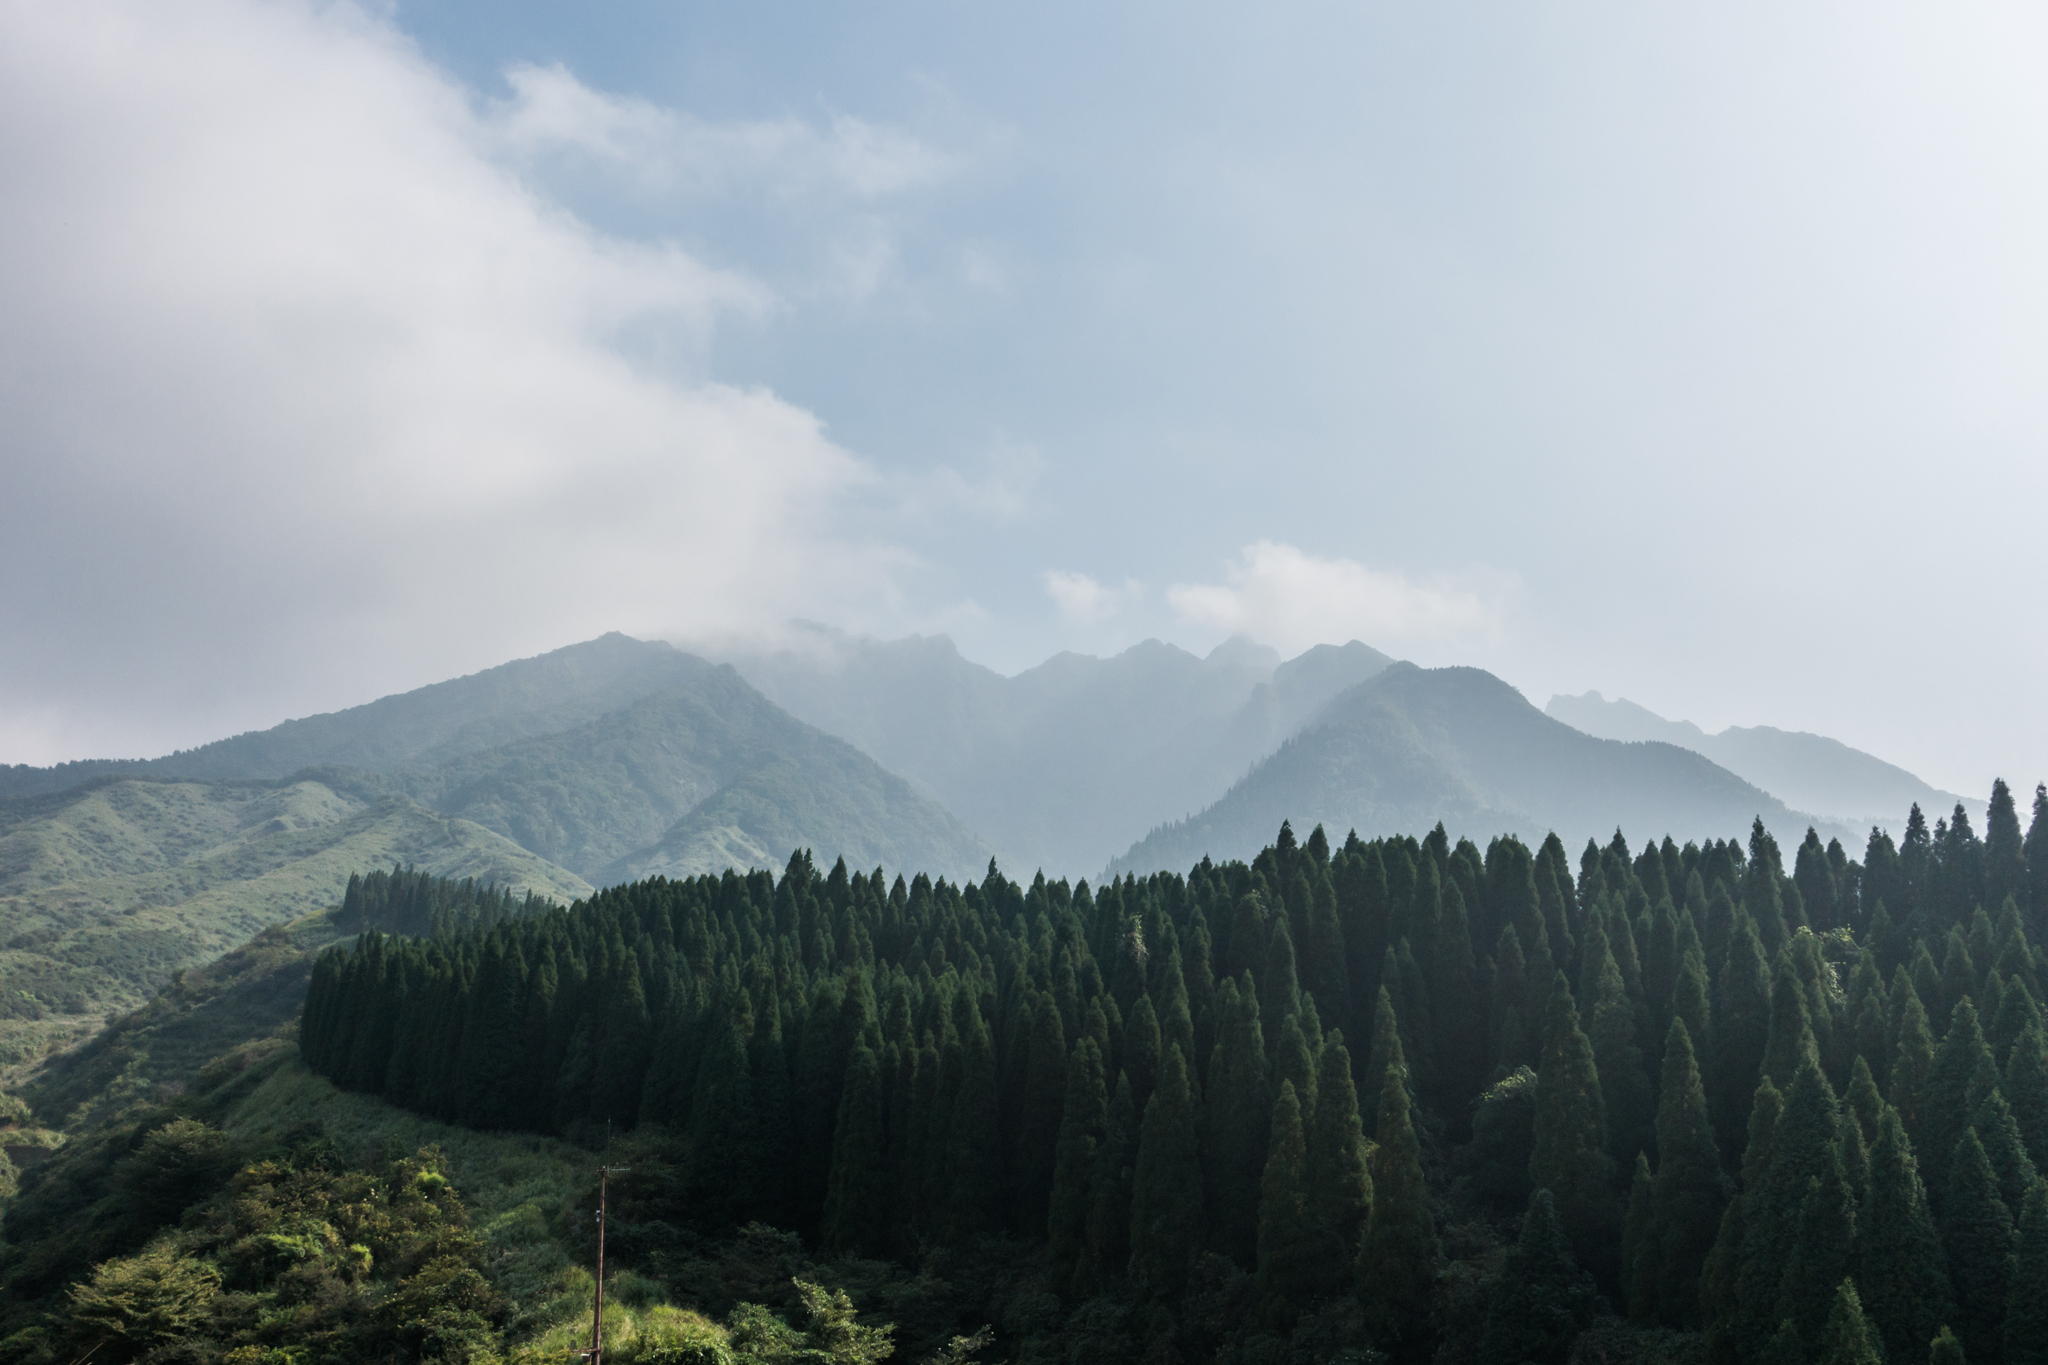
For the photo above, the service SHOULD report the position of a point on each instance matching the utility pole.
(595, 1355)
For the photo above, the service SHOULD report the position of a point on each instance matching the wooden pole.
(595, 1355)
(597, 1319)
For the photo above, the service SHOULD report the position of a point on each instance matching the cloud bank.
(1085, 600)
(345, 403)
(1292, 600)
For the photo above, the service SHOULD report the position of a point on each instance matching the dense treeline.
(421, 905)
(1803, 1113)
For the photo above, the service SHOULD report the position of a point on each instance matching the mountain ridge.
(1801, 768)
(1413, 746)
(1062, 765)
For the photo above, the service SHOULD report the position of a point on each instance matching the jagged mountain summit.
(1807, 771)
(1062, 765)
(1413, 746)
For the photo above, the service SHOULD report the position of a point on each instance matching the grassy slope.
(106, 892)
(155, 1052)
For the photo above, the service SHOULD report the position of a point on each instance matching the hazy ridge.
(1415, 746)
(1808, 771)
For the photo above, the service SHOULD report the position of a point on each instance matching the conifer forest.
(1399, 1098)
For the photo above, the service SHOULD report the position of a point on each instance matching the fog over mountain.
(1062, 765)
(1807, 771)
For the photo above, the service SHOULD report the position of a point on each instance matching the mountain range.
(1411, 747)
(1811, 772)
(1063, 765)
(603, 762)
(618, 759)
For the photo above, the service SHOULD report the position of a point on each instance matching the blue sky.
(1688, 355)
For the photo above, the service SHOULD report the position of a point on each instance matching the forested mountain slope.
(1396, 1095)
(705, 774)
(611, 758)
(214, 1191)
(1063, 765)
(107, 890)
(1806, 771)
(1411, 747)
(542, 695)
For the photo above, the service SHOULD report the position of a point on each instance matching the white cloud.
(999, 484)
(1085, 601)
(551, 111)
(1292, 600)
(305, 395)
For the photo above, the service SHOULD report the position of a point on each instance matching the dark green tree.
(1862, 1099)
(1542, 1299)
(973, 1156)
(1945, 1108)
(1039, 1124)
(1802, 1151)
(1977, 1232)
(2005, 858)
(1286, 1246)
(1639, 1245)
(1848, 1338)
(723, 1173)
(1571, 1158)
(1730, 1336)
(1337, 1185)
(2026, 1090)
(1511, 1045)
(1294, 1059)
(2000, 1134)
(1899, 1257)
(1791, 1037)
(1624, 1085)
(2026, 1315)
(1386, 1044)
(1822, 1239)
(1109, 1212)
(1689, 1191)
(1692, 1001)
(1397, 1271)
(1235, 1122)
(1084, 1124)
(1142, 1053)
(1742, 1014)
(857, 1199)
(1912, 1060)
(1166, 1192)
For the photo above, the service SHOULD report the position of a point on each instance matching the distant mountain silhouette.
(1413, 746)
(1064, 764)
(1808, 771)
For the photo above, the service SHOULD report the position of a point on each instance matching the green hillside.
(202, 1143)
(107, 891)
(595, 758)
(703, 775)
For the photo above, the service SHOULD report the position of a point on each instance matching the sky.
(1689, 353)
